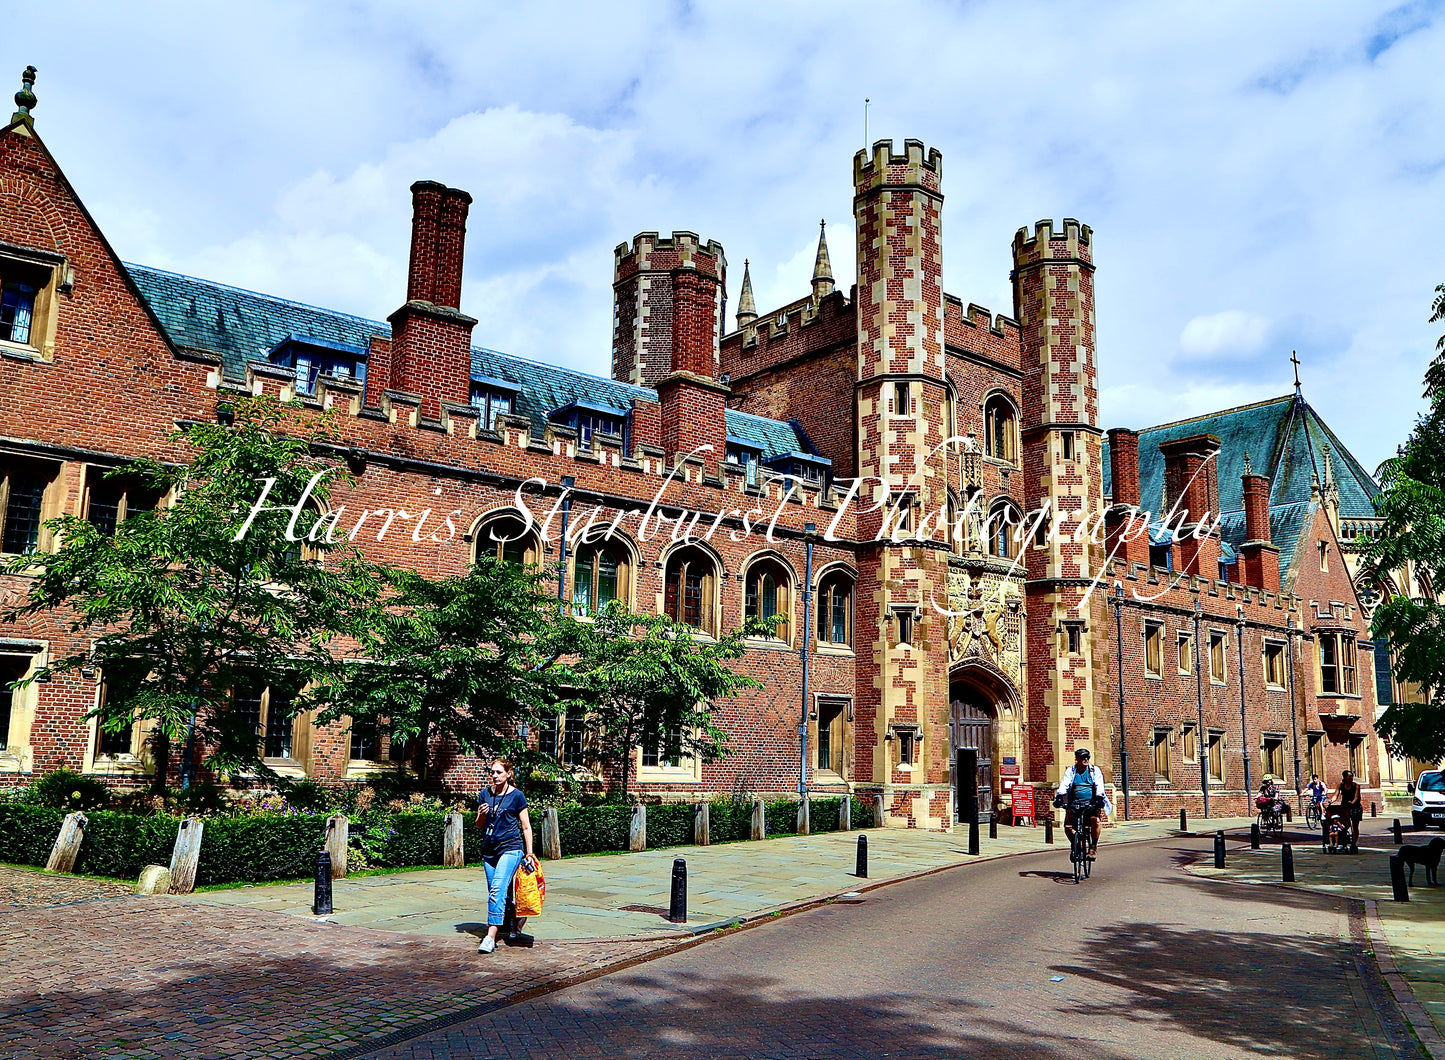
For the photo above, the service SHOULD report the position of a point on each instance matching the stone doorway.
(971, 732)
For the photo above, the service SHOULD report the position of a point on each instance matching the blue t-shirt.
(501, 827)
(1083, 786)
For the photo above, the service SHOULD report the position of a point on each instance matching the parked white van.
(1429, 806)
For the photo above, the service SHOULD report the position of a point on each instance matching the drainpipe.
(1243, 724)
(1119, 632)
(1201, 739)
(1294, 711)
(568, 482)
(803, 641)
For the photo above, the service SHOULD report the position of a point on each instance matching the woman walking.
(506, 843)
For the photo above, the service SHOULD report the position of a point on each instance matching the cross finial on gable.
(1294, 359)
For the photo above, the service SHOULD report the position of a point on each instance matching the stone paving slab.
(1414, 931)
(627, 894)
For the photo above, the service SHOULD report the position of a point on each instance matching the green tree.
(180, 607)
(1411, 505)
(468, 657)
(647, 677)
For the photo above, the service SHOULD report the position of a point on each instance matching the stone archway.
(984, 736)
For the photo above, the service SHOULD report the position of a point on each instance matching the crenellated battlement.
(917, 164)
(1074, 240)
(651, 252)
(976, 316)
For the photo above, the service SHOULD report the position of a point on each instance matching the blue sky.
(1260, 178)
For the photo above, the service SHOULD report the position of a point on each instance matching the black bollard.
(677, 912)
(1286, 862)
(1397, 879)
(321, 905)
(1219, 849)
(862, 867)
(1396, 829)
(1372, 810)
(1183, 820)
(1049, 829)
(1254, 836)
(993, 826)
(973, 837)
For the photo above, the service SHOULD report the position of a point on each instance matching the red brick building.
(868, 464)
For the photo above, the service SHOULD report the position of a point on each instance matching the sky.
(1260, 178)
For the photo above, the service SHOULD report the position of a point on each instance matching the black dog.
(1427, 855)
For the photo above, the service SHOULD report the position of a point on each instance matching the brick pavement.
(22, 888)
(150, 978)
(1413, 933)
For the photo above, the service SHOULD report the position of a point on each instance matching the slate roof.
(240, 326)
(1285, 440)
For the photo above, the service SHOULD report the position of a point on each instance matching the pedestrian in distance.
(1350, 801)
(506, 844)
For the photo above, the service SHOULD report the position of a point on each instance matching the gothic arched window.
(599, 577)
(506, 537)
(769, 596)
(1000, 429)
(835, 609)
(690, 588)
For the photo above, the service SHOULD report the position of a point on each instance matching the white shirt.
(1097, 776)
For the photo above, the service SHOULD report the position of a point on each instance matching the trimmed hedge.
(780, 818)
(27, 833)
(823, 815)
(593, 829)
(729, 821)
(235, 849)
(669, 824)
(274, 847)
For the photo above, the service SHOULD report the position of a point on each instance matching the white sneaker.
(487, 945)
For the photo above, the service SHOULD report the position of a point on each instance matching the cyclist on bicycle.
(1315, 792)
(1268, 798)
(1081, 787)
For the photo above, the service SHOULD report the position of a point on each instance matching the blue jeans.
(500, 870)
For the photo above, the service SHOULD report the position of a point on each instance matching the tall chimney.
(1191, 491)
(1126, 528)
(431, 347)
(1258, 556)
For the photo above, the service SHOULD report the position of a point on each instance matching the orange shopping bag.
(530, 888)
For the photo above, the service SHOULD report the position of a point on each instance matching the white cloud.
(1230, 332)
(1285, 157)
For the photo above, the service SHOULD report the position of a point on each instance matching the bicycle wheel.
(1076, 854)
(1312, 816)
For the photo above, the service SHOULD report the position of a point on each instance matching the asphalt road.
(1006, 958)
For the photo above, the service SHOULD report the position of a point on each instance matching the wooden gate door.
(973, 729)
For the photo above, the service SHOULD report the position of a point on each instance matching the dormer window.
(741, 454)
(313, 358)
(803, 467)
(593, 423)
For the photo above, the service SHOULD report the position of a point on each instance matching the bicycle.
(1271, 820)
(1079, 850)
(1314, 813)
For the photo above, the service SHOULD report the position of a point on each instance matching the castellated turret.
(644, 299)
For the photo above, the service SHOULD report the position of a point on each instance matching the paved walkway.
(626, 895)
(1414, 930)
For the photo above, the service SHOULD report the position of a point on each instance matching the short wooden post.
(760, 820)
(702, 824)
(67, 844)
(804, 815)
(877, 811)
(186, 855)
(453, 854)
(338, 833)
(845, 814)
(637, 830)
(551, 835)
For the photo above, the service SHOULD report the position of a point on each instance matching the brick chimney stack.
(430, 362)
(1258, 556)
(668, 310)
(1125, 526)
(1191, 492)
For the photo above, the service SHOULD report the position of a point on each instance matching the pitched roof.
(239, 326)
(1285, 440)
